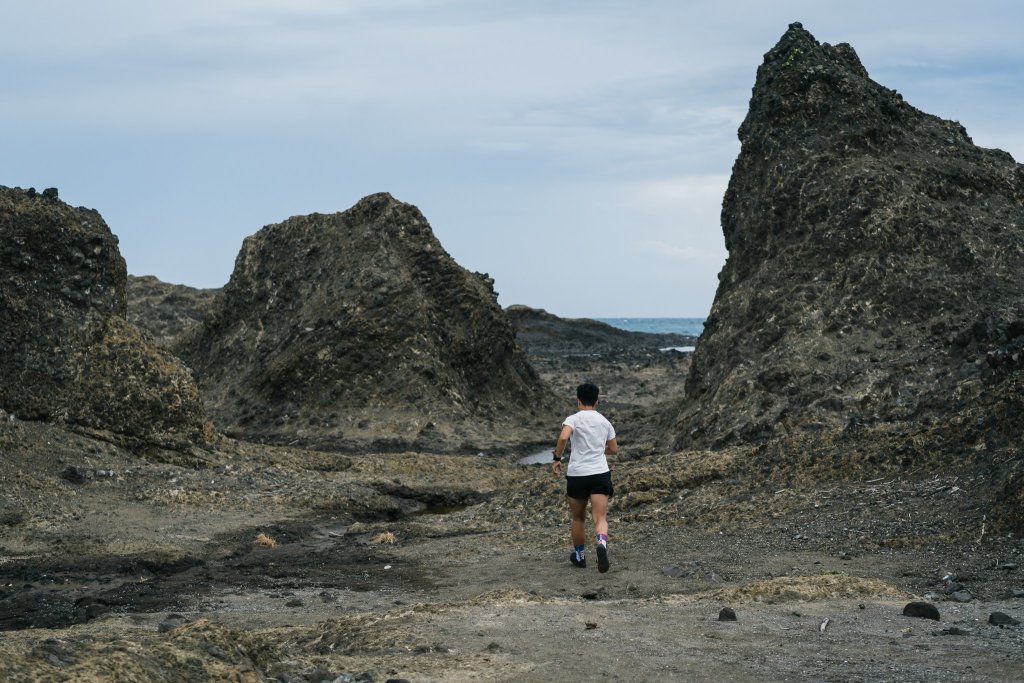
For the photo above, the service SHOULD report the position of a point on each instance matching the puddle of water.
(542, 458)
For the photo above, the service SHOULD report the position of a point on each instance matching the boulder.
(67, 352)
(358, 330)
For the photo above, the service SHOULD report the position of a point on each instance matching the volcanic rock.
(67, 351)
(874, 262)
(166, 311)
(921, 610)
(357, 329)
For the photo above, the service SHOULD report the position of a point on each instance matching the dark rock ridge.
(67, 351)
(357, 329)
(540, 333)
(166, 311)
(875, 262)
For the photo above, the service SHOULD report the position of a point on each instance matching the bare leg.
(579, 518)
(599, 511)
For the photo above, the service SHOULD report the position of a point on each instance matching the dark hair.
(587, 394)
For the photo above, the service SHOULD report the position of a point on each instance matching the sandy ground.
(149, 566)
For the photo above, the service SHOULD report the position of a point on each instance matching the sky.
(575, 150)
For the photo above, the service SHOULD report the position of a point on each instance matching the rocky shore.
(313, 474)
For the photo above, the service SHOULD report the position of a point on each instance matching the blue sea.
(691, 327)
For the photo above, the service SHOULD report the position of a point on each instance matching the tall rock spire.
(866, 239)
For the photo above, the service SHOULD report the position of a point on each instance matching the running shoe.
(602, 559)
(582, 564)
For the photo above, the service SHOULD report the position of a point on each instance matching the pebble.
(172, 622)
(953, 631)
(673, 570)
(727, 614)
(1016, 593)
(961, 596)
(1002, 619)
(921, 610)
(593, 594)
(293, 603)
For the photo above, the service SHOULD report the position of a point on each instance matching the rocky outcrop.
(166, 311)
(875, 267)
(357, 329)
(67, 351)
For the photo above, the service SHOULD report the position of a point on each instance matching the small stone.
(953, 631)
(673, 571)
(1008, 566)
(952, 587)
(727, 614)
(75, 474)
(962, 596)
(493, 647)
(215, 651)
(921, 610)
(172, 622)
(593, 594)
(1016, 593)
(1002, 619)
(293, 603)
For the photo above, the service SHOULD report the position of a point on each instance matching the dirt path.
(143, 569)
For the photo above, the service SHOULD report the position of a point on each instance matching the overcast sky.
(576, 150)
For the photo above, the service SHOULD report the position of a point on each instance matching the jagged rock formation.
(357, 329)
(67, 351)
(165, 311)
(540, 333)
(875, 261)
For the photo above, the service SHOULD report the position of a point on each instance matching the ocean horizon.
(690, 327)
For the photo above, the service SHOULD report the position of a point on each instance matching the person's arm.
(563, 439)
(612, 447)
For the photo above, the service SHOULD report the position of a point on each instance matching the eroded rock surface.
(357, 328)
(67, 351)
(874, 265)
(165, 311)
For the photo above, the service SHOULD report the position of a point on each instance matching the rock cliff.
(357, 329)
(875, 261)
(67, 352)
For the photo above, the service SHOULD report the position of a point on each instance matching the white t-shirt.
(591, 431)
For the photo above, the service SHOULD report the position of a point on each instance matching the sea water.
(690, 327)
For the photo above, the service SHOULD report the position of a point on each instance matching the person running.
(588, 477)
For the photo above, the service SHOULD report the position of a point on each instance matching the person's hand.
(556, 468)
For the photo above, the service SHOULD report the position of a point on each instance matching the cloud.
(524, 130)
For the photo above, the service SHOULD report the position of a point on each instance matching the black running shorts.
(580, 488)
